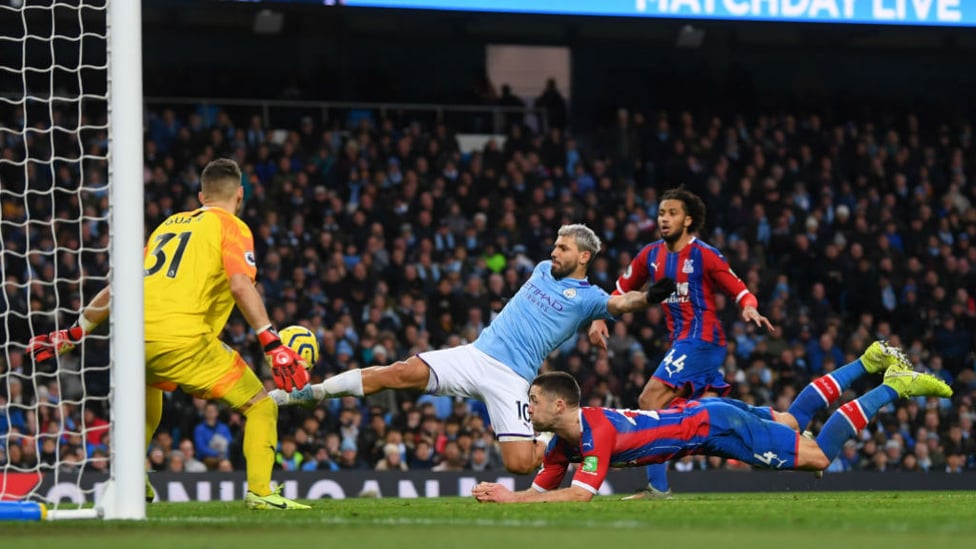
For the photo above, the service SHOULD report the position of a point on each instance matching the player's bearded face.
(674, 233)
(563, 268)
(565, 257)
(671, 218)
(672, 227)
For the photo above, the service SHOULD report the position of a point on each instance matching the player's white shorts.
(465, 371)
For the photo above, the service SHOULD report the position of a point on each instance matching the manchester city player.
(497, 368)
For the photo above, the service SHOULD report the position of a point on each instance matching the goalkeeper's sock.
(154, 412)
(824, 391)
(348, 383)
(260, 441)
(657, 477)
(850, 418)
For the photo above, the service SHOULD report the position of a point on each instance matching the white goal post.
(126, 500)
(71, 221)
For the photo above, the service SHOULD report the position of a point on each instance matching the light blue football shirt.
(541, 316)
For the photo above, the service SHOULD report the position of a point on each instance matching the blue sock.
(848, 421)
(657, 476)
(847, 374)
(824, 391)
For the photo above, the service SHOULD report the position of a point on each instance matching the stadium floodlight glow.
(877, 12)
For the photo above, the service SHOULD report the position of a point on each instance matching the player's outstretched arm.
(46, 346)
(286, 366)
(626, 303)
(733, 286)
(631, 301)
(491, 492)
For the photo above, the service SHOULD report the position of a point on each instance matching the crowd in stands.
(386, 239)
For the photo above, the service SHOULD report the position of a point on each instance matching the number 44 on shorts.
(674, 365)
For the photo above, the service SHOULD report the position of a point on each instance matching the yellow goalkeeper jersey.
(188, 262)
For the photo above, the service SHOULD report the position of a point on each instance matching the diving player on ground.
(601, 438)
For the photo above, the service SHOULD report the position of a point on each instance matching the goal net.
(59, 206)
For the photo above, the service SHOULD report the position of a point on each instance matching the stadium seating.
(389, 240)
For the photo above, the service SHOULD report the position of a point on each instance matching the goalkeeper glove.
(47, 346)
(660, 290)
(287, 367)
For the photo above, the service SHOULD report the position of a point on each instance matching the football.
(303, 341)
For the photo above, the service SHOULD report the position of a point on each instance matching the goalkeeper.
(198, 264)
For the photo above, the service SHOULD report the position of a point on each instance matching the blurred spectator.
(452, 459)
(479, 460)
(190, 463)
(176, 462)
(508, 99)
(423, 455)
(211, 437)
(349, 456)
(288, 458)
(552, 102)
(847, 460)
(392, 459)
(320, 460)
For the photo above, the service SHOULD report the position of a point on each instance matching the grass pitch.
(776, 520)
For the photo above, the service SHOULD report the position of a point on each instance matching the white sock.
(348, 383)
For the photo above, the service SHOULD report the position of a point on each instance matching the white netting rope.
(54, 248)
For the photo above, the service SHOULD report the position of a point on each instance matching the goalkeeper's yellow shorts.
(204, 368)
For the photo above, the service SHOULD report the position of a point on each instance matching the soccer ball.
(303, 341)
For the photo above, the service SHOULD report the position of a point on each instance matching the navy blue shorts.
(739, 431)
(694, 366)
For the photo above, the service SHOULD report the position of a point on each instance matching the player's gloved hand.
(287, 367)
(660, 290)
(47, 346)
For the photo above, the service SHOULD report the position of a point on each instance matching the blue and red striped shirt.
(698, 269)
(623, 438)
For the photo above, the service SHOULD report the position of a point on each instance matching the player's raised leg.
(900, 381)
(825, 390)
(412, 373)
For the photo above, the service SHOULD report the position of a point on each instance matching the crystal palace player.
(600, 438)
(692, 367)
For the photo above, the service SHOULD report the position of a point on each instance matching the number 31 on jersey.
(161, 256)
